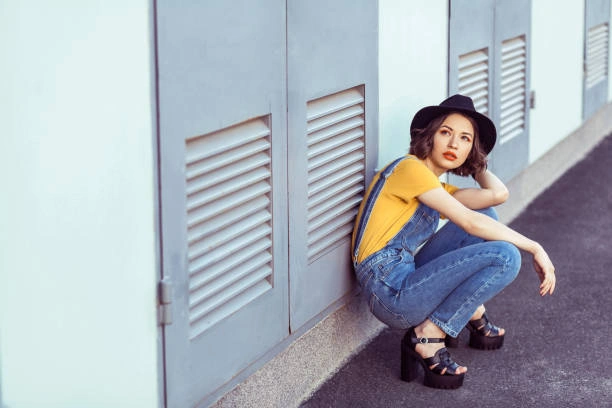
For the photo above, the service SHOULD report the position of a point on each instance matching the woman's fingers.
(546, 272)
(548, 283)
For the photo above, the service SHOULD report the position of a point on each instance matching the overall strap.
(370, 200)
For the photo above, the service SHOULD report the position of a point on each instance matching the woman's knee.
(511, 256)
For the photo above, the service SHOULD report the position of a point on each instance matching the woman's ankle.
(480, 311)
(429, 329)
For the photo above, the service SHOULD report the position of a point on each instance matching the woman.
(442, 288)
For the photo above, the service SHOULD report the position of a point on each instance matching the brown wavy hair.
(421, 145)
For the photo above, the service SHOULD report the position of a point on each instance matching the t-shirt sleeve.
(412, 178)
(450, 188)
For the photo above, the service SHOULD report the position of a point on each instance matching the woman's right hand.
(545, 270)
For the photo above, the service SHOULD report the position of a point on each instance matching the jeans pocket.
(387, 265)
(382, 313)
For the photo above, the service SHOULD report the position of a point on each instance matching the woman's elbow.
(501, 195)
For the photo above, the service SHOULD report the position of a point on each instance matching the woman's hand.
(545, 270)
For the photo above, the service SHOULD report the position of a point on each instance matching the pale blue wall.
(413, 67)
(556, 72)
(77, 236)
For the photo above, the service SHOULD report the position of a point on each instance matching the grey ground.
(557, 349)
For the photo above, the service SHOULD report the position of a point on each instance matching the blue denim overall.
(452, 274)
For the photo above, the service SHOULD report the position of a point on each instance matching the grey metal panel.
(596, 49)
(471, 35)
(511, 87)
(495, 51)
(222, 126)
(470, 40)
(332, 57)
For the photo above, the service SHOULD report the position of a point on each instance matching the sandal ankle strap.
(425, 340)
(483, 321)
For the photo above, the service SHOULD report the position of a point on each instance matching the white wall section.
(77, 223)
(557, 55)
(413, 67)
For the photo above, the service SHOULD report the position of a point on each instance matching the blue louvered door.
(222, 134)
(511, 87)
(267, 135)
(596, 51)
(489, 61)
(332, 81)
(471, 54)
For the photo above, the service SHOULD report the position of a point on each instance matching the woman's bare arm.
(492, 192)
(482, 226)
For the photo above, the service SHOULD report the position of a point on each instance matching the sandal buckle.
(423, 340)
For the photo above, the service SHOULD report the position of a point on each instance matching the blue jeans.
(446, 281)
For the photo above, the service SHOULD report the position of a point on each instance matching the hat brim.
(486, 129)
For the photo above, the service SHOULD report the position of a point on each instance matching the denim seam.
(470, 301)
(461, 262)
(398, 316)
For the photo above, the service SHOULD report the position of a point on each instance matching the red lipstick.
(450, 156)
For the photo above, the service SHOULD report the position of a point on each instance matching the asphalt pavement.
(557, 348)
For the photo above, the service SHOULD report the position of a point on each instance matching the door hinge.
(165, 301)
(532, 100)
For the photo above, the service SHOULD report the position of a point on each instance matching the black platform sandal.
(483, 335)
(440, 361)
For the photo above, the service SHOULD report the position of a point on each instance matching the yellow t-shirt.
(395, 204)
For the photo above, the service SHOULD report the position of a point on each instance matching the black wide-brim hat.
(464, 105)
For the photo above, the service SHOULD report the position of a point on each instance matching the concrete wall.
(413, 67)
(556, 72)
(77, 222)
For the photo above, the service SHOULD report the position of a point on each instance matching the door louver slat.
(330, 156)
(232, 298)
(228, 157)
(318, 182)
(224, 141)
(228, 208)
(251, 164)
(334, 171)
(347, 135)
(199, 231)
(474, 78)
(203, 271)
(251, 266)
(596, 64)
(336, 165)
(197, 197)
(225, 236)
(336, 197)
(350, 116)
(199, 212)
(332, 233)
(353, 183)
(513, 92)
(318, 219)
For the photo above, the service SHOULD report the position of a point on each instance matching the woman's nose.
(452, 142)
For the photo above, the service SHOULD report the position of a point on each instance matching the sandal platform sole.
(486, 343)
(477, 342)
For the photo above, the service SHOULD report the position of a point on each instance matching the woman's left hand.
(545, 270)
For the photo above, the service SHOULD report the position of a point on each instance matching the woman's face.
(452, 143)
